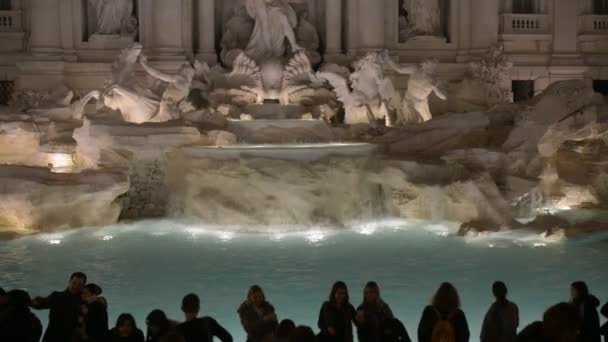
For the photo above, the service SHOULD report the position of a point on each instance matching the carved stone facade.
(48, 42)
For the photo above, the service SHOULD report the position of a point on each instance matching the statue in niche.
(138, 103)
(419, 18)
(421, 84)
(308, 37)
(275, 20)
(114, 17)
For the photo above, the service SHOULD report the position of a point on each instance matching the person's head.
(339, 293)
(256, 296)
(371, 293)
(561, 323)
(499, 289)
(191, 305)
(125, 325)
(90, 291)
(18, 299)
(446, 298)
(77, 282)
(303, 334)
(286, 328)
(157, 322)
(579, 291)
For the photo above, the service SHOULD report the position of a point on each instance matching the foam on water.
(148, 265)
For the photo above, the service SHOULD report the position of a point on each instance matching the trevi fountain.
(273, 161)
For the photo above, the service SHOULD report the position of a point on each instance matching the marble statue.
(237, 32)
(177, 89)
(275, 20)
(420, 18)
(371, 92)
(421, 84)
(114, 17)
(146, 103)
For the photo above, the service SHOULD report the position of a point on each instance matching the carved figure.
(370, 94)
(421, 84)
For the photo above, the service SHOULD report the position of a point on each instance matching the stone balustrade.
(10, 21)
(594, 24)
(525, 23)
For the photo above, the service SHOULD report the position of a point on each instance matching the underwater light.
(55, 242)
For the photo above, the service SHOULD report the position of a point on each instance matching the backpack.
(444, 330)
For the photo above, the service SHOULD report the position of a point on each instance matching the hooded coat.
(375, 315)
(500, 323)
(340, 319)
(590, 319)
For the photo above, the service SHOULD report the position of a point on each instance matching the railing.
(525, 23)
(10, 21)
(594, 24)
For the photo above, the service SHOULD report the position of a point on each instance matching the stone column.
(333, 27)
(44, 27)
(206, 31)
(166, 29)
(464, 32)
(565, 33)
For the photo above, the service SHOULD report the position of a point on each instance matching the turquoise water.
(148, 265)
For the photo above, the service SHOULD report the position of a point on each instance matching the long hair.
(126, 317)
(158, 319)
(254, 290)
(372, 285)
(337, 286)
(446, 299)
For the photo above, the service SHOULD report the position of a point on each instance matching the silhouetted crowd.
(80, 314)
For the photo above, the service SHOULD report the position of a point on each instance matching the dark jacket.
(500, 323)
(340, 319)
(394, 331)
(20, 324)
(431, 316)
(370, 328)
(95, 320)
(203, 330)
(63, 316)
(253, 318)
(590, 320)
(137, 336)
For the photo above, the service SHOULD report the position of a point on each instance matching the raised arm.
(439, 93)
(154, 72)
(406, 70)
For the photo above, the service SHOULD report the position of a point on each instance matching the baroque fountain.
(286, 170)
(277, 136)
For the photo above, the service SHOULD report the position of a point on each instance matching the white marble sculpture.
(114, 17)
(66, 109)
(275, 20)
(421, 84)
(371, 91)
(146, 103)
